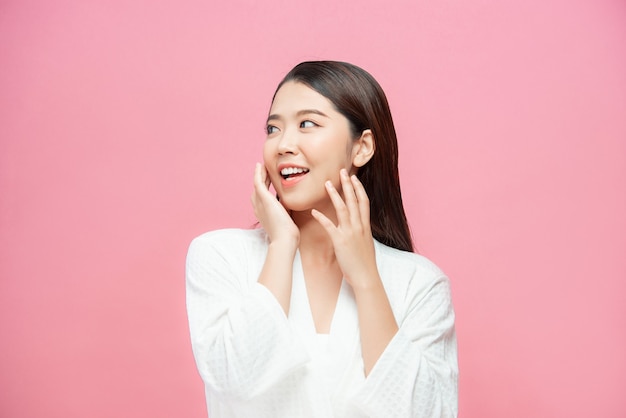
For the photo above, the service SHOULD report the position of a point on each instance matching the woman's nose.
(288, 143)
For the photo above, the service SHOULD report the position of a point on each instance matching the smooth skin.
(331, 229)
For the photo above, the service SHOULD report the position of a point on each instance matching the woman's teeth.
(290, 171)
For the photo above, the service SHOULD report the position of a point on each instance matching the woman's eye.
(307, 124)
(271, 129)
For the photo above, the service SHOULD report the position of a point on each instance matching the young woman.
(324, 311)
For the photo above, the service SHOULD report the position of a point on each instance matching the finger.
(268, 181)
(350, 198)
(326, 223)
(363, 199)
(265, 176)
(255, 192)
(260, 177)
(343, 217)
(258, 180)
(254, 201)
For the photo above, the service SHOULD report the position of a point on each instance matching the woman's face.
(307, 143)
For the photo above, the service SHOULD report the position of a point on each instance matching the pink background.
(129, 127)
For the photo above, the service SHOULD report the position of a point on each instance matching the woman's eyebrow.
(314, 111)
(298, 113)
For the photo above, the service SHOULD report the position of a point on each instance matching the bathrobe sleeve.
(242, 342)
(416, 376)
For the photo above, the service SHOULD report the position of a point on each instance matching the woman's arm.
(284, 237)
(377, 325)
(354, 248)
(416, 375)
(242, 341)
(411, 365)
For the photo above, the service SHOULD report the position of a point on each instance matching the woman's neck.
(315, 242)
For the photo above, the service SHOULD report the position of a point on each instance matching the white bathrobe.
(257, 362)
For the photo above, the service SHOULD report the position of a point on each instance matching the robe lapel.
(344, 342)
(299, 309)
(343, 348)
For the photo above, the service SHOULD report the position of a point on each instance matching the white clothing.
(257, 362)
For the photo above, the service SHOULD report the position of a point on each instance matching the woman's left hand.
(354, 249)
(352, 236)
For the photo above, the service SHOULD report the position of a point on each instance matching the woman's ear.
(363, 149)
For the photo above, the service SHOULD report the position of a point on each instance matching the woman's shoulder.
(410, 278)
(411, 263)
(230, 241)
(232, 234)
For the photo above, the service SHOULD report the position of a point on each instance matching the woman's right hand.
(271, 214)
(284, 238)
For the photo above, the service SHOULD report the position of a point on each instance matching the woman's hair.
(358, 96)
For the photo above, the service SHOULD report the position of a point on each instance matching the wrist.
(367, 283)
(286, 245)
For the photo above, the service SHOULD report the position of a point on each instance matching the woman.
(324, 311)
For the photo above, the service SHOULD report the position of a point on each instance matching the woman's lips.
(292, 180)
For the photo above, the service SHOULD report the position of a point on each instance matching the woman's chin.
(295, 205)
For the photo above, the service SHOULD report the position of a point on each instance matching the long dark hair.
(358, 96)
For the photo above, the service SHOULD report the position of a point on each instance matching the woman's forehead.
(293, 97)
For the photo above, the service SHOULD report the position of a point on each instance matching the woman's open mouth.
(292, 175)
(293, 172)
